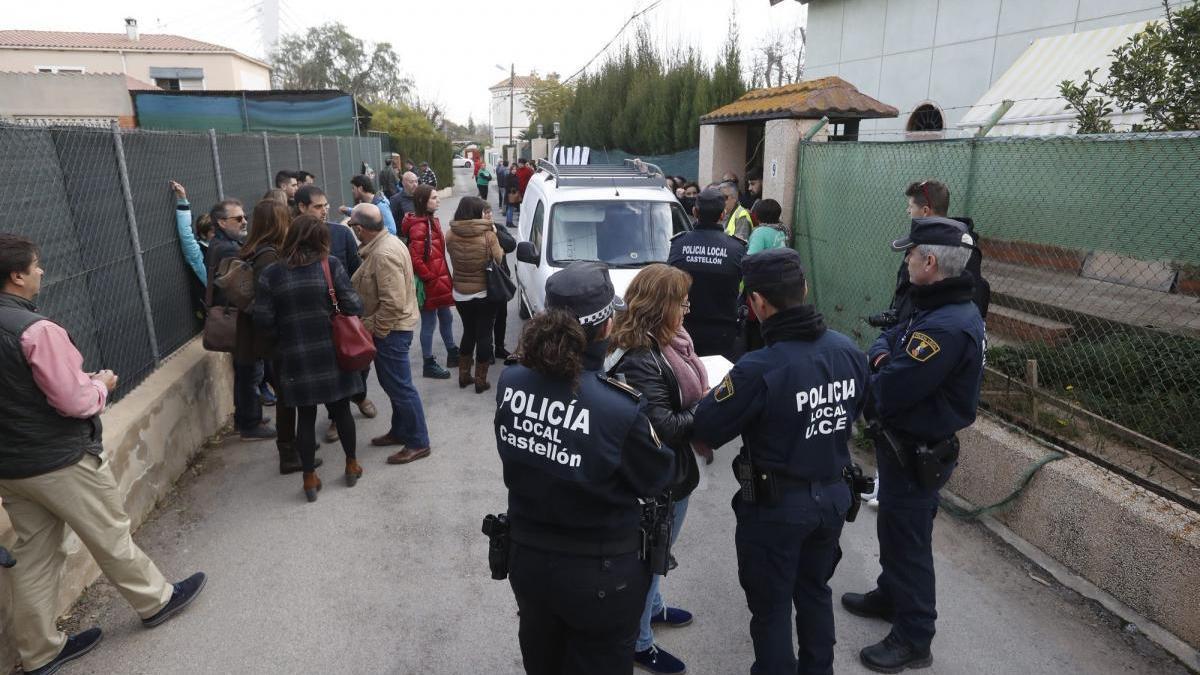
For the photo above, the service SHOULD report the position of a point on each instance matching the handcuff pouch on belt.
(658, 519)
(497, 531)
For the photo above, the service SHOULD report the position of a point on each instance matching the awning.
(1032, 84)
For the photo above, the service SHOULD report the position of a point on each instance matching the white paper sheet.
(717, 367)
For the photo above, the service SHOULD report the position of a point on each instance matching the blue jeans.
(444, 320)
(395, 376)
(247, 409)
(654, 600)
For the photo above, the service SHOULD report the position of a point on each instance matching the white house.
(506, 98)
(935, 59)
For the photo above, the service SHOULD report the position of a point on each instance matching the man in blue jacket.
(794, 403)
(924, 388)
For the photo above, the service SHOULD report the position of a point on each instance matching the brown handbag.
(220, 323)
(352, 342)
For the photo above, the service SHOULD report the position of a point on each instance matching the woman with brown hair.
(268, 227)
(292, 303)
(427, 248)
(654, 353)
(473, 247)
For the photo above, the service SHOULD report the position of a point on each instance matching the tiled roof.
(521, 82)
(807, 99)
(147, 42)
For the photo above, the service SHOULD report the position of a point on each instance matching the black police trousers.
(786, 556)
(905, 530)
(579, 614)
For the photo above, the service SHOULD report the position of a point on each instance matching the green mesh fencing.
(1092, 249)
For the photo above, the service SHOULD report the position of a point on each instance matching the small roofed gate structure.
(762, 130)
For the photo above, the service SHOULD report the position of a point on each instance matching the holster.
(933, 463)
(497, 531)
(658, 520)
(859, 485)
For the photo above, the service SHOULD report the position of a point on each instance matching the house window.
(170, 84)
(178, 79)
(926, 118)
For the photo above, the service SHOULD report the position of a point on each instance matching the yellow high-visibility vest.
(731, 224)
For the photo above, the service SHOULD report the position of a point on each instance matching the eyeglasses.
(925, 190)
(240, 219)
(687, 306)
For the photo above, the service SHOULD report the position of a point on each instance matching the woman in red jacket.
(427, 246)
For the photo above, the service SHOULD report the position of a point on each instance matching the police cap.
(772, 267)
(710, 198)
(584, 289)
(935, 232)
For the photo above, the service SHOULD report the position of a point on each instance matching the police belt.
(784, 480)
(559, 543)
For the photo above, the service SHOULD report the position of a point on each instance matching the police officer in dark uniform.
(924, 387)
(794, 403)
(578, 451)
(714, 259)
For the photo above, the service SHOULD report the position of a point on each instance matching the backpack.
(235, 278)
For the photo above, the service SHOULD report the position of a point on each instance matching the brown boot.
(312, 485)
(464, 372)
(481, 383)
(353, 472)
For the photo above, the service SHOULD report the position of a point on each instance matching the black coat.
(293, 304)
(254, 343)
(648, 371)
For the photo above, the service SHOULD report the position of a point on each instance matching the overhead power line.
(608, 44)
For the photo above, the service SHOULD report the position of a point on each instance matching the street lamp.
(512, 81)
(557, 129)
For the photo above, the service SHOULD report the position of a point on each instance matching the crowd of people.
(626, 409)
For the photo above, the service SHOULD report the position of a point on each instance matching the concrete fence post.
(135, 241)
(321, 144)
(299, 153)
(216, 157)
(267, 157)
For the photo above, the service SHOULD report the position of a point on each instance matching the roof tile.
(808, 99)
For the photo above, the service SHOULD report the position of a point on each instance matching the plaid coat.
(294, 304)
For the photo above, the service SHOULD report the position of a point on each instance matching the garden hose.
(1026, 477)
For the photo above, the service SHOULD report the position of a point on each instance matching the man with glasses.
(227, 241)
(311, 201)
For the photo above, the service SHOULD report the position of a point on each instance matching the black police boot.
(893, 655)
(871, 605)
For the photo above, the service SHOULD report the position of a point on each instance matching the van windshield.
(621, 234)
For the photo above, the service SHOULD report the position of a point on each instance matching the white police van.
(621, 215)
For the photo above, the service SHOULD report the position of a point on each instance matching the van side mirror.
(528, 253)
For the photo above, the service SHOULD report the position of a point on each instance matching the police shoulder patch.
(921, 347)
(724, 391)
(621, 387)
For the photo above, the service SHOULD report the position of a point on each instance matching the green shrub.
(1147, 382)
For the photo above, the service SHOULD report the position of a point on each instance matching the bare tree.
(779, 60)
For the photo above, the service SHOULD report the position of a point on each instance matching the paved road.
(391, 576)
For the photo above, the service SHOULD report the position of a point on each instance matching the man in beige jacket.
(390, 313)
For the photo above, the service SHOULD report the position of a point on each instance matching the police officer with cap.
(578, 451)
(794, 403)
(714, 259)
(924, 387)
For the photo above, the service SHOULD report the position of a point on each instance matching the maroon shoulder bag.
(353, 343)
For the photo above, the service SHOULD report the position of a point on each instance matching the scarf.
(945, 292)
(689, 369)
(802, 322)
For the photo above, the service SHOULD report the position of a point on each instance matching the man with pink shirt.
(53, 474)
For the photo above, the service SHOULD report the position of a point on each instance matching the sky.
(450, 48)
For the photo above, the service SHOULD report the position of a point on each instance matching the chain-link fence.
(1092, 250)
(98, 204)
